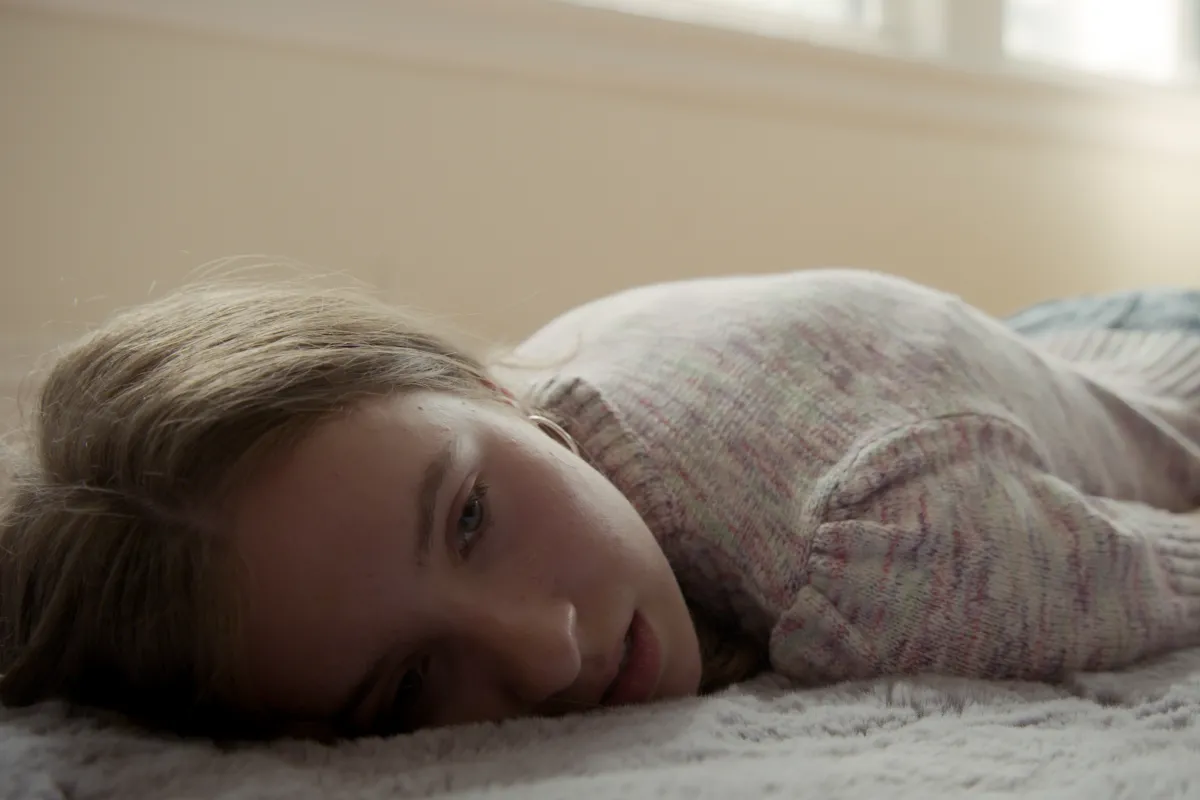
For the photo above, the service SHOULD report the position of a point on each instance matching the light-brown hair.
(117, 590)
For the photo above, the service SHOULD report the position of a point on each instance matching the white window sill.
(546, 40)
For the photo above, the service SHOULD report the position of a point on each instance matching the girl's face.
(431, 560)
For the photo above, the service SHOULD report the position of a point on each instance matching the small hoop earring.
(555, 430)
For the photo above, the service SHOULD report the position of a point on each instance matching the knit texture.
(875, 478)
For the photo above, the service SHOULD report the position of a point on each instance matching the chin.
(685, 675)
(690, 683)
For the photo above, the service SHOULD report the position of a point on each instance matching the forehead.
(339, 471)
(326, 536)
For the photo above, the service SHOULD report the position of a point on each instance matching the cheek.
(565, 522)
(539, 530)
(579, 529)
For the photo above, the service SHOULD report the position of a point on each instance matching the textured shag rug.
(1129, 735)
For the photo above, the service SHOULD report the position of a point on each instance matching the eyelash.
(475, 498)
(398, 718)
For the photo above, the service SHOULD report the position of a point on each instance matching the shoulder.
(743, 385)
(847, 337)
(706, 306)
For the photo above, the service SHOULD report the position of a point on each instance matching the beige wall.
(130, 155)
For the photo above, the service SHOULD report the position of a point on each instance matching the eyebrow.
(427, 495)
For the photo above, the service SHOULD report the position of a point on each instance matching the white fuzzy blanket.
(1133, 735)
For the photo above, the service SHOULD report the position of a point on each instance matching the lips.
(639, 669)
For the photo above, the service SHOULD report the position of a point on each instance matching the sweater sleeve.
(948, 547)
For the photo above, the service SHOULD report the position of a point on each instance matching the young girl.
(269, 511)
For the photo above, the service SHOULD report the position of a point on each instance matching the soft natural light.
(770, 17)
(1144, 39)
(1134, 37)
(867, 13)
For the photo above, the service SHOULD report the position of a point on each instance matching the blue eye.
(472, 519)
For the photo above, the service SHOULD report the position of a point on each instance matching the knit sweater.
(875, 478)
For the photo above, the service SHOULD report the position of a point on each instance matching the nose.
(522, 650)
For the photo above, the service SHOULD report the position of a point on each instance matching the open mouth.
(637, 676)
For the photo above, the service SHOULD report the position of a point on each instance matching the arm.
(948, 547)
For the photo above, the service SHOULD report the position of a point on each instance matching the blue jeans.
(1143, 310)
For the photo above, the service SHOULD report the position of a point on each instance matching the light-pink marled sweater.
(874, 477)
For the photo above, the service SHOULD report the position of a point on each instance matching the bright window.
(769, 17)
(1142, 39)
